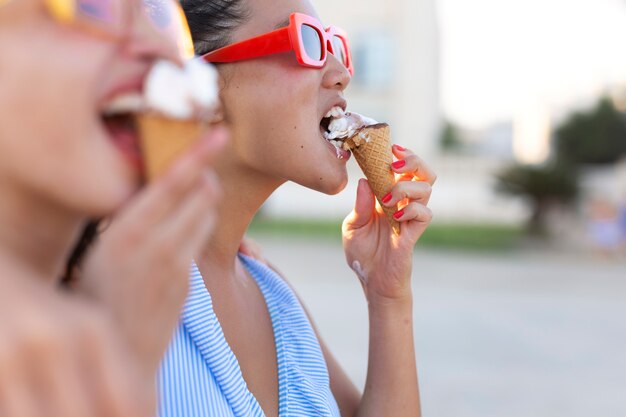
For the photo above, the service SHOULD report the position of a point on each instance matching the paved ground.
(523, 334)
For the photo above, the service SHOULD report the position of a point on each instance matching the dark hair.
(87, 238)
(212, 21)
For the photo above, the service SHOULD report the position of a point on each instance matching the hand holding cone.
(179, 104)
(371, 147)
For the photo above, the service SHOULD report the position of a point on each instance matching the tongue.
(124, 135)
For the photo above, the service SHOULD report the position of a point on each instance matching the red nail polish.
(386, 198)
(400, 148)
(399, 214)
(399, 164)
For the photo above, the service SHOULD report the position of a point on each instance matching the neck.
(36, 237)
(244, 192)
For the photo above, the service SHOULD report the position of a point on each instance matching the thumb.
(364, 207)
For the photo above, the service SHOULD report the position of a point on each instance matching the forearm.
(391, 388)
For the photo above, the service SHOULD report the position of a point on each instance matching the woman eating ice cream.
(245, 345)
(70, 73)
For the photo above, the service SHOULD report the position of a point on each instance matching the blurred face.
(55, 83)
(275, 106)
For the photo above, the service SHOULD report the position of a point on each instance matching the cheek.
(274, 114)
(59, 100)
(50, 137)
(271, 100)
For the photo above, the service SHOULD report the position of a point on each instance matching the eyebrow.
(282, 24)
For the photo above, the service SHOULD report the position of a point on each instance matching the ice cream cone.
(163, 139)
(371, 147)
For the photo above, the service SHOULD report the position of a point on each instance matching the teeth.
(335, 112)
(126, 103)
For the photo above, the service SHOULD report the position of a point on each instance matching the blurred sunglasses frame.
(288, 38)
(113, 19)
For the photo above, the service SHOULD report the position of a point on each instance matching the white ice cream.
(182, 93)
(344, 125)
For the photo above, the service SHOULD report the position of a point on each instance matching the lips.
(118, 119)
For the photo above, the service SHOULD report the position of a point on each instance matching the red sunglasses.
(305, 36)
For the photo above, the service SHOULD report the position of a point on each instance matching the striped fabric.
(200, 375)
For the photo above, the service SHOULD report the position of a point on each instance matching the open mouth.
(325, 124)
(326, 128)
(119, 121)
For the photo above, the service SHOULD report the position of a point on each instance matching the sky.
(503, 57)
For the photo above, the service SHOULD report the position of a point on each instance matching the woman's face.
(55, 83)
(275, 106)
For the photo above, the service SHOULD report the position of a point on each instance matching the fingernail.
(400, 148)
(386, 198)
(399, 164)
(398, 214)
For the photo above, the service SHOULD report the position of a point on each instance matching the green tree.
(543, 186)
(449, 138)
(597, 136)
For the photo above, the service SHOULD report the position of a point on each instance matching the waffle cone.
(163, 139)
(371, 147)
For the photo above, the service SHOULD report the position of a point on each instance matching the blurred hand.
(252, 249)
(139, 268)
(60, 357)
(381, 259)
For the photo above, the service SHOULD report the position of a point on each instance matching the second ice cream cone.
(163, 139)
(371, 147)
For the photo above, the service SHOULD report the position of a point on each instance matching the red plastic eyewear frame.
(289, 38)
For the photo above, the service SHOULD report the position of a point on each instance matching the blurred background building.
(476, 88)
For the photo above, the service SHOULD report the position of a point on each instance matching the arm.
(383, 263)
(391, 387)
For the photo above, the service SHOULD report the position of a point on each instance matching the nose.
(336, 75)
(145, 40)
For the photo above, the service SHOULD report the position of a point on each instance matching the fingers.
(16, 397)
(251, 248)
(364, 207)
(195, 219)
(110, 378)
(414, 212)
(410, 164)
(166, 192)
(60, 378)
(412, 190)
(62, 364)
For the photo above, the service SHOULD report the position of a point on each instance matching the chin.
(108, 202)
(334, 186)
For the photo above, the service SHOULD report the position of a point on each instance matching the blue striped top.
(200, 375)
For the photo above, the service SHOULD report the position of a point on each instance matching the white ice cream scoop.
(345, 125)
(182, 93)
